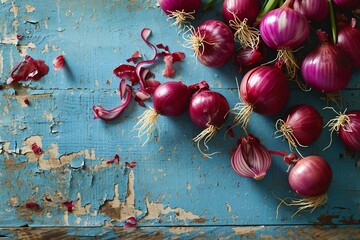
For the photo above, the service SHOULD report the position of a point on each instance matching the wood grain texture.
(173, 191)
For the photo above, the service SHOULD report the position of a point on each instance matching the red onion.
(208, 110)
(313, 10)
(278, 32)
(212, 42)
(326, 68)
(251, 159)
(247, 58)
(301, 126)
(58, 62)
(347, 124)
(169, 99)
(263, 90)
(241, 14)
(180, 10)
(349, 41)
(310, 177)
(351, 4)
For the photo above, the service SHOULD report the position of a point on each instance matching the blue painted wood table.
(56, 181)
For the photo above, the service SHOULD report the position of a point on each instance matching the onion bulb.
(180, 10)
(313, 10)
(212, 42)
(349, 40)
(347, 125)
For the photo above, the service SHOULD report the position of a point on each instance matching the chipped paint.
(247, 231)
(1, 62)
(24, 48)
(23, 94)
(15, 10)
(29, 8)
(228, 207)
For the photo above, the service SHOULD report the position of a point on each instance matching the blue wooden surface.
(172, 185)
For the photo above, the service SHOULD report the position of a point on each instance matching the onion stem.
(243, 115)
(207, 134)
(267, 7)
(180, 17)
(333, 22)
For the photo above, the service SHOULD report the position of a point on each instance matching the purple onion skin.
(208, 108)
(266, 89)
(248, 58)
(284, 28)
(351, 139)
(349, 4)
(306, 123)
(187, 6)
(311, 176)
(171, 99)
(349, 41)
(248, 9)
(313, 10)
(327, 68)
(219, 43)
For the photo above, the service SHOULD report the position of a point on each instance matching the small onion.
(169, 99)
(212, 42)
(241, 14)
(347, 124)
(313, 10)
(349, 41)
(251, 159)
(248, 58)
(301, 126)
(263, 90)
(180, 10)
(326, 68)
(208, 110)
(278, 32)
(310, 177)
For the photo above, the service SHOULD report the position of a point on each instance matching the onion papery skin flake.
(313, 10)
(349, 41)
(251, 159)
(284, 28)
(301, 126)
(327, 68)
(213, 43)
(311, 176)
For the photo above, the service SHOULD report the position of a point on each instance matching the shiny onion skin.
(248, 58)
(301, 126)
(171, 98)
(242, 9)
(327, 68)
(347, 125)
(313, 10)
(311, 176)
(251, 159)
(349, 41)
(278, 32)
(349, 4)
(208, 108)
(213, 43)
(180, 10)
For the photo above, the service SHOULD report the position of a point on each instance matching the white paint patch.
(228, 207)
(15, 10)
(23, 49)
(282, 22)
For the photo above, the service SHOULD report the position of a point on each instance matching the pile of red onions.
(301, 126)
(310, 177)
(180, 10)
(348, 39)
(241, 14)
(169, 99)
(347, 125)
(278, 32)
(263, 90)
(208, 110)
(212, 42)
(327, 68)
(251, 159)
